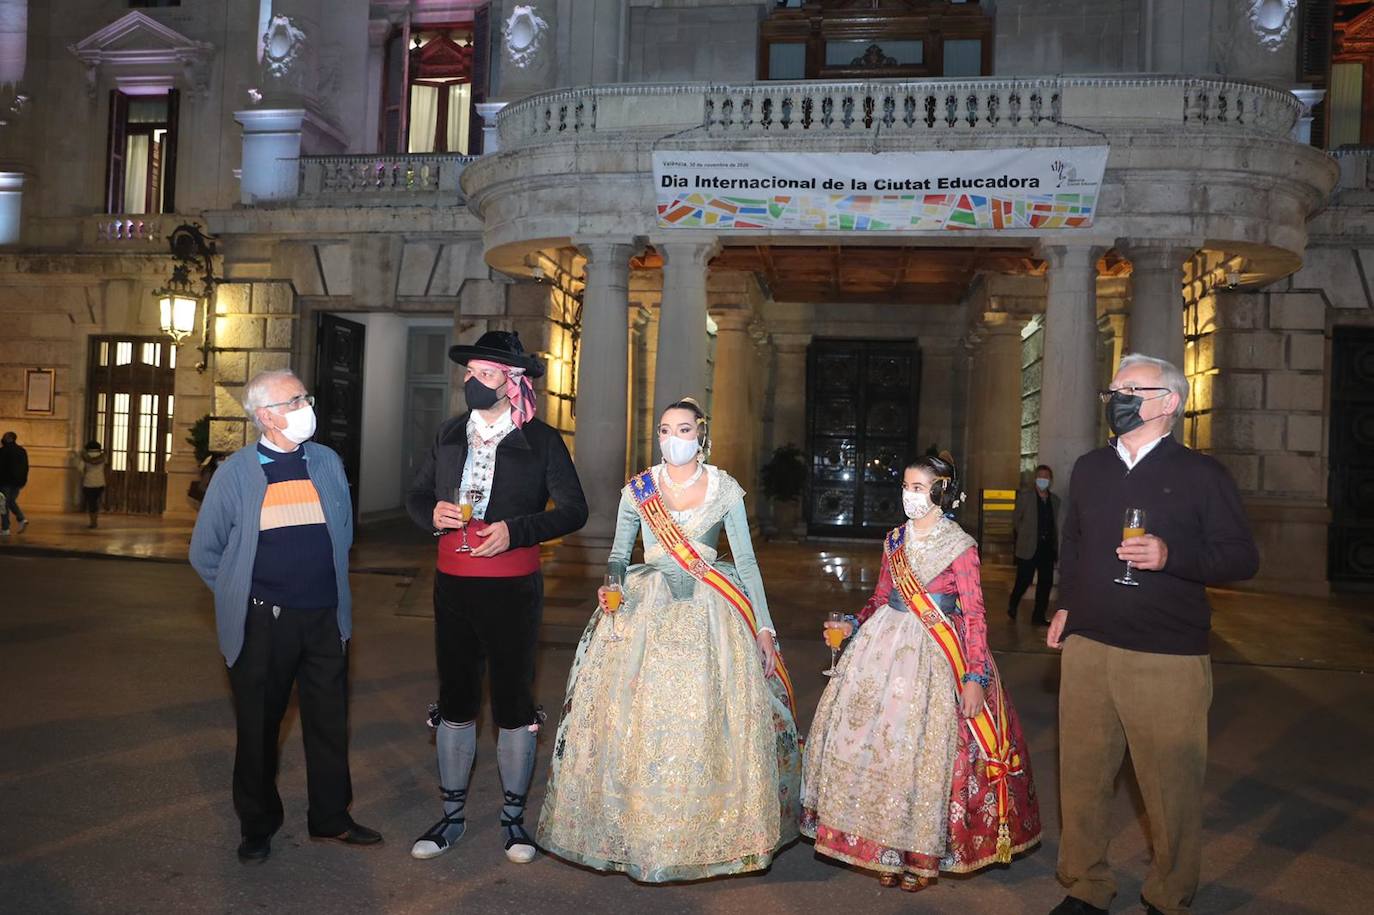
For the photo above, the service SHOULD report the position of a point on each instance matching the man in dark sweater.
(1136, 672)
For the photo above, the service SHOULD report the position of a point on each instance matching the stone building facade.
(382, 178)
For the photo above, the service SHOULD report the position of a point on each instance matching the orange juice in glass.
(1132, 525)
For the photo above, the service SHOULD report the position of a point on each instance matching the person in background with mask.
(1136, 674)
(677, 755)
(502, 466)
(271, 541)
(1035, 524)
(91, 462)
(916, 763)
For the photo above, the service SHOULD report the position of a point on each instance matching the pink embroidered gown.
(892, 778)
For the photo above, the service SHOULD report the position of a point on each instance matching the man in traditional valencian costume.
(505, 466)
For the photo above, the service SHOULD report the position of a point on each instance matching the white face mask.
(300, 424)
(916, 505)
(679, 451)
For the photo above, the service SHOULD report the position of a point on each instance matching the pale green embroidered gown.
(674, 759)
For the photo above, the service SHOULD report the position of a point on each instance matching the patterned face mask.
(916, 505)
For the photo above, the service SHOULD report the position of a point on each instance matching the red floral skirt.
(973, 822)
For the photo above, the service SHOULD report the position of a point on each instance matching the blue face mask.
(1042, 484)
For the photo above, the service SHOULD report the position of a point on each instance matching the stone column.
(1068, 402)
(733, 408)
(491, 139)
(1156, 324)
(643, 331)
(1309, 98)
(271, 146)
(602, 393)
(994, 457)
(11, 207)
(789, 390)
(682, 347)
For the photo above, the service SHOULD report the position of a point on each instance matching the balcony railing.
(380, 180)
(920, 108)
(128, 231)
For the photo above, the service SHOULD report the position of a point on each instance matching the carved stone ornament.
(282, 45)
(1271, 21)
(524, 34)
(138, 49)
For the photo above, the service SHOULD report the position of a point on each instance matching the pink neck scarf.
(518, 389)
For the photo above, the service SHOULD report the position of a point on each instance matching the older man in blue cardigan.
(272, 543)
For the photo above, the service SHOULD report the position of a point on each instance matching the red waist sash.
(522, 560)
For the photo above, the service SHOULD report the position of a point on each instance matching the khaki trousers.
(1155, 705)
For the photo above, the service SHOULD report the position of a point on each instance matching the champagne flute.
(834, 637)
(1133, 525)
(613, 596)
(465, 503)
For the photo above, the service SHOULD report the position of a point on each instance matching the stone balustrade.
(908, 107)
(128, 231)
(1355, 164)
(380, 180)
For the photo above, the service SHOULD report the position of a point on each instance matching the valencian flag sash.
(655, 514)
(989, 726)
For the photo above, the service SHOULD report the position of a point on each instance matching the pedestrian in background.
(1036, 522)
(14, 476)
(92, 464)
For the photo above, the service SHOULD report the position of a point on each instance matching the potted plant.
(199, 440)
(784, 480)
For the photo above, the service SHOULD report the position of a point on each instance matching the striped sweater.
(294, 566)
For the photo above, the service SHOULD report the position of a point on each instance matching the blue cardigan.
(224, 544)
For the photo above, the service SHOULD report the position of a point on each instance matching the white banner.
(1035, 188)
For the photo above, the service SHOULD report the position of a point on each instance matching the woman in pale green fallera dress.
(676, 757)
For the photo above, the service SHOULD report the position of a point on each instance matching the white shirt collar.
(272, 446)
(1144, 449)
(485, 429)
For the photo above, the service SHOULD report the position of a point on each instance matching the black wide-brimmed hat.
(501, 346)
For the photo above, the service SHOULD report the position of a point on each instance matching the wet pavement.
(116, 743)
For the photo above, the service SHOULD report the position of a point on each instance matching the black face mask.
(479, 396)
(1123, 413)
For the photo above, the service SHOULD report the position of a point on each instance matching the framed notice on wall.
(39, 386)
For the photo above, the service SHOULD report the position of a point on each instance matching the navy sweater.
(1191, 503)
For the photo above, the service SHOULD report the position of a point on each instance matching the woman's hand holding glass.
(609, 597)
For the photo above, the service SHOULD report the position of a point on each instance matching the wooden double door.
(861, 404)
(130, 399)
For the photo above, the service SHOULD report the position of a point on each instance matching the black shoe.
(1011, 612)
(1072, 905)
(1039, 621)
(255, 850)
(1149, 909)
(353, 835)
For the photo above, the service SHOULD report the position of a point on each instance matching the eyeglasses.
(294, 403)
(1128, 391)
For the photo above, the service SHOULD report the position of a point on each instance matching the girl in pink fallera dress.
(916, 763)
